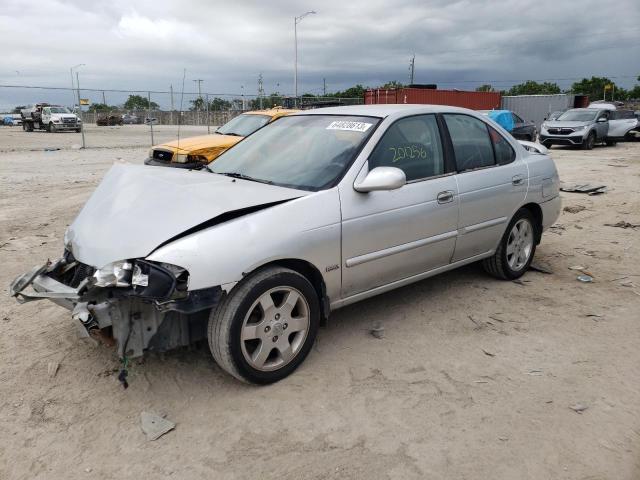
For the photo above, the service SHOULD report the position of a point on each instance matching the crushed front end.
(142, 305)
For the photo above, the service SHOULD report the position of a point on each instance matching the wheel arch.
(311, 273)
(536, 211)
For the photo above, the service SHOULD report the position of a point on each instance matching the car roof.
(385, 110)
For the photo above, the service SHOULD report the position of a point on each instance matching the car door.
(602, 124)
(392, 235)
(621, 122)
(492, 183)
(46, 115)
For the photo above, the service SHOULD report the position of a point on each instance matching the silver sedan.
(313, 212)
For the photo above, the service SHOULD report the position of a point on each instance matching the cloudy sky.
(146, 44)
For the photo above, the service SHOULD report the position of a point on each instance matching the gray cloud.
(143, 44)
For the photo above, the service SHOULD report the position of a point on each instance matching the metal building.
(536, 108)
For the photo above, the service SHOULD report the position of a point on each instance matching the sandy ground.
(474, 378)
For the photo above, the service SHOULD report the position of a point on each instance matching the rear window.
(471, 143)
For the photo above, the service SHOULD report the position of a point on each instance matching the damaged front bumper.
(136, 324)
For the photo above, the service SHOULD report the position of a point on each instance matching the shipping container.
(537, 108)
(456, 98)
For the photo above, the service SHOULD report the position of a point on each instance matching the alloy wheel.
(520, 244)
(275, 328)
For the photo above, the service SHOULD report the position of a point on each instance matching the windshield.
(244, 125)
(308, 152)
(578, 115)
(59, 110)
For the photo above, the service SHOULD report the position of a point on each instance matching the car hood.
(190, 145)
(63, 115)
(565, 124)
(136, 208)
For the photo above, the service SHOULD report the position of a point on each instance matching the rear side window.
(503, 151)
(621, 115)
(471, 143)
(413, 145)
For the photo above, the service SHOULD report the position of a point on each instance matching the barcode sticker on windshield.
(351, 126)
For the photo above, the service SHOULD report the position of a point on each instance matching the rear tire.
(264, 329)
(516, 249)
(589, 142)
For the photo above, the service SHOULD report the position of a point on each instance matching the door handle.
(517, 179)
(445, 197)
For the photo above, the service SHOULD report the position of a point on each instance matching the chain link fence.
(137, 118)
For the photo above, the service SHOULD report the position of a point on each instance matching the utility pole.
(199, 82)
(324, 87)
(171, 91)
(149, 115)
(260, 90)
(412, 66)
(208, 122)
(296, 21)
(80, 110)
(104, 101)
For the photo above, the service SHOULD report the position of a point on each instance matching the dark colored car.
(512, 123)
(524, 130)
(106, 120)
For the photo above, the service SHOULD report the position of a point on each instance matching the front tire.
(264, 329)
(610, 142)
(516, 250)
(589, 142)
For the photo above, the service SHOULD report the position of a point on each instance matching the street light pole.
(73, 87)
(80, 110)
(296, 21)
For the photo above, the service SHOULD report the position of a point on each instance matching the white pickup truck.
(51, 118)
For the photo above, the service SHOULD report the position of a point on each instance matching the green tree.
(215, 104)
(531, 87)
(393, 84)
(485, 88)
(594, 87)
(138, 102)
(634, 93)
(101, 107)
(353, 92)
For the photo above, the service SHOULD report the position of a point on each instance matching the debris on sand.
(52, 369)
(154, 426)
(488, 354)
(377, 330)
(574, 208)
(585, 278)
(578, 407)
(623, 224)
(587, 188)
(540, 268)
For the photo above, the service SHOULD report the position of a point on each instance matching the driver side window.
(413, 145)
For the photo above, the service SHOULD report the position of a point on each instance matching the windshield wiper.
(230, 134)
(241, 176)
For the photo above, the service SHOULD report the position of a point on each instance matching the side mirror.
(602, 120)
(382, 178)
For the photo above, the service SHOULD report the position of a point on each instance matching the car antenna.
(184, 74)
